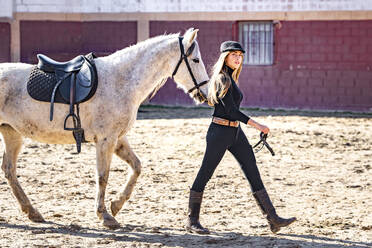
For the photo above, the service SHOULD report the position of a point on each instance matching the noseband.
(184, 58)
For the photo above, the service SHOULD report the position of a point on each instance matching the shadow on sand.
(157, 237)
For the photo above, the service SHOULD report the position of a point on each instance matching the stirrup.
(75, 119)
(77, 131)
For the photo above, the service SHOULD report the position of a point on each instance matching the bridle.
(184, 57)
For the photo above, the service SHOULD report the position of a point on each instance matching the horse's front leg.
(124, 152)
(104, 149)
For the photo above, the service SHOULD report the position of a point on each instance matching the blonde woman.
(224, 133)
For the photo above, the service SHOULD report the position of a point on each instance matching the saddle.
(70, 82)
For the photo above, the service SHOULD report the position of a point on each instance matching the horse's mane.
(140, 46)
(144, 44)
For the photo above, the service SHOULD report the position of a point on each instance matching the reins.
(263, 138)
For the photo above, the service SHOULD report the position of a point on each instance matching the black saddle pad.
(40, 86)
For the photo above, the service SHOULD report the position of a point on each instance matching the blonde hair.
(220, 80)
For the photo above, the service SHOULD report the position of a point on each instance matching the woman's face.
(234, 59)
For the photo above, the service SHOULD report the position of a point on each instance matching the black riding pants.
(219, 139)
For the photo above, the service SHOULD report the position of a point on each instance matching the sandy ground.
(321, 174)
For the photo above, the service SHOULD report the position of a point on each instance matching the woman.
(224, 133)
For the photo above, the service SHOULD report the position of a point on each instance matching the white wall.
(114, 6)
(6, 8)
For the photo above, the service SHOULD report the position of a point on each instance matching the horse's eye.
(195, 60)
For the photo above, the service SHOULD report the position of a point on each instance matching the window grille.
(257, 39)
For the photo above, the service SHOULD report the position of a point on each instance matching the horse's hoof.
(35, 216)
(114, 208)
(110, 222)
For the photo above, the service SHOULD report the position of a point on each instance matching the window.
(257, 39)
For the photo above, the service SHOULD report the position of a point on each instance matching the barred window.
(257, 39)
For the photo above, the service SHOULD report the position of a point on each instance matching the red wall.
(4, 42)
(318, 65)
(64, 40)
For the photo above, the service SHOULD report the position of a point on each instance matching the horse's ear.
(190, 36)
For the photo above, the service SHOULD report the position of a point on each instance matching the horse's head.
(190, 71)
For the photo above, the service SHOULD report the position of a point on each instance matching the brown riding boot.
(193, 224)
(267, 208)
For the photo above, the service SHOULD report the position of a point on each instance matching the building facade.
(319, 57)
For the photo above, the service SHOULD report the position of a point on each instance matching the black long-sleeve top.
(228, 106)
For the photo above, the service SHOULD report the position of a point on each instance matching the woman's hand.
(264, 129)
(258, 126)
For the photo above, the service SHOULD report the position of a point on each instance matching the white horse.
(126, 78)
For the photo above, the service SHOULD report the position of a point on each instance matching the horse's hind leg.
(124, 151)
(13, 144)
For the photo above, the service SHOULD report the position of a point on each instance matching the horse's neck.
(145, 66)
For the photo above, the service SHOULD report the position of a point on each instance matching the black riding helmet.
(231, 46)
